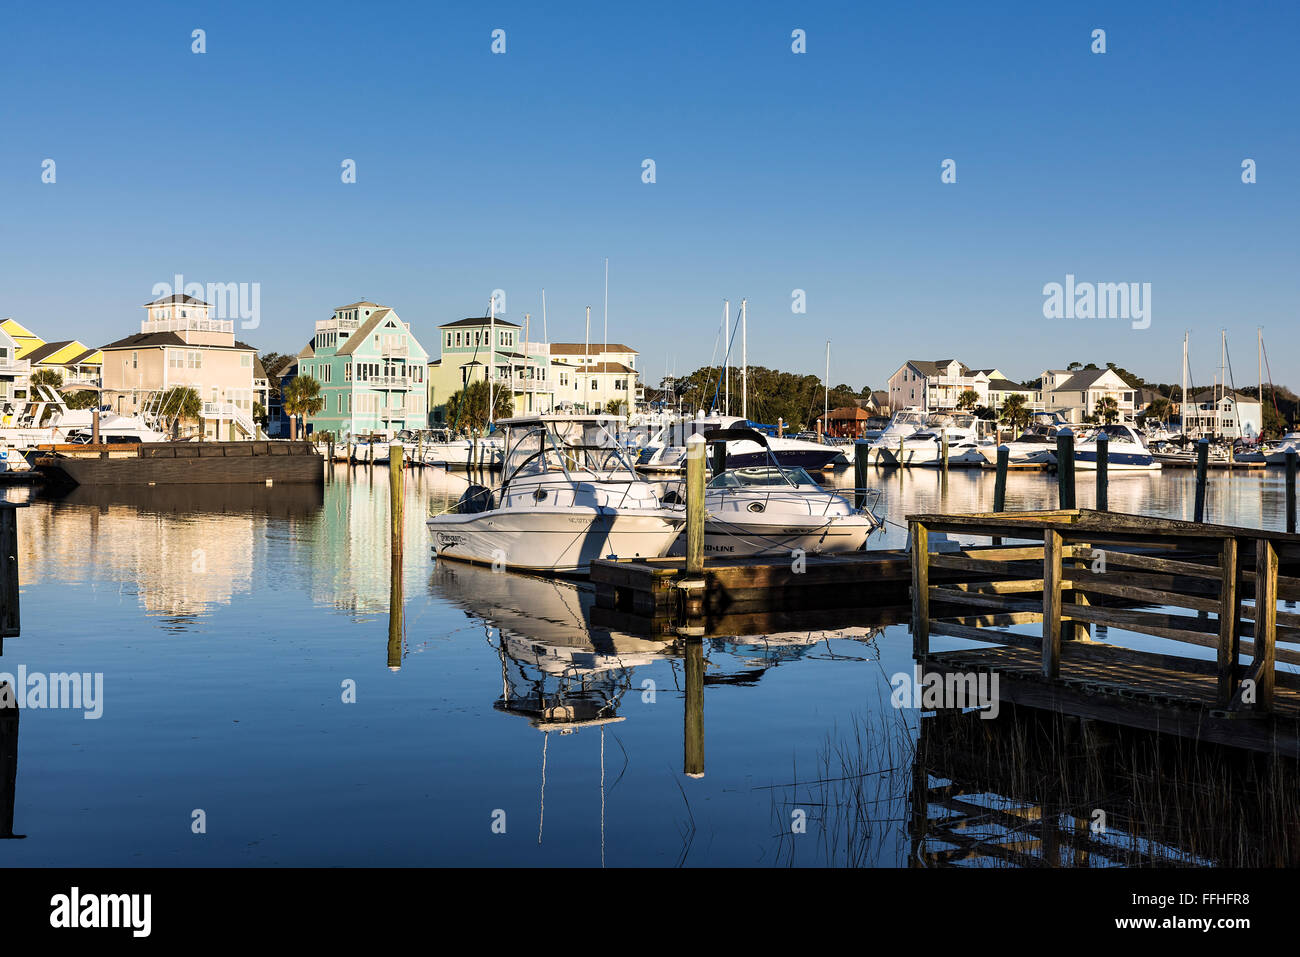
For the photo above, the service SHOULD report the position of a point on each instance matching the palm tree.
(48, 377)
(302, 398)
(1014, 412)
(181, 403)
(968, 399)
(1160, 410)
(1107, 410)
(467, 409)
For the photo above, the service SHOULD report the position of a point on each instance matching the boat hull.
(561, 541)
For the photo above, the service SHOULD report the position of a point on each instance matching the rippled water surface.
(229, 625)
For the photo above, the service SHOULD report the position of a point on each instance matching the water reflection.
(8, 765)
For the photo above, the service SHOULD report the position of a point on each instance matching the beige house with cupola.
(180, 345)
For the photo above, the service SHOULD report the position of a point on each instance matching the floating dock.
(185, 463)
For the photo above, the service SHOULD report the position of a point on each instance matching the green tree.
(968, 399)
(82, 399)
(1107, 410)
(49, 377)
(302, 398)
(615, 407)
(1160, 410)
(467, 409)
(260, 416)
(1014, 412)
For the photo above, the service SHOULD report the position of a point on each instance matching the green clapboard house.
(373, 372)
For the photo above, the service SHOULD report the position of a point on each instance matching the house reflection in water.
(8, 764)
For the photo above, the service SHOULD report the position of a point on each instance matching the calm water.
(228, 623)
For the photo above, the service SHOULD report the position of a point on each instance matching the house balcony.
(329, 325)
(188, 325)
(15, 367)
(391, 382)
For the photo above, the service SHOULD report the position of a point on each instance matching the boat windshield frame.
(557, 452)
(782, 475)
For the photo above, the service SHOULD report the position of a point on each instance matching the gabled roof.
(189, 300)
(1085, 378)
(142, 340)
(367, 327)
(48, 349)
(929, 368)
(485, 320)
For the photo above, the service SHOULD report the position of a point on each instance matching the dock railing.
(1075, 571)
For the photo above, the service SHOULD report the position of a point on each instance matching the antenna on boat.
(492, 348)
(586, 362)
(826, 385)
(726, 355)
(546, 337)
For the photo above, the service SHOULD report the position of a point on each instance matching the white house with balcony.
(589, 376)
(15, 377)
(938, 385)
(1077, 394)
(1224, 413)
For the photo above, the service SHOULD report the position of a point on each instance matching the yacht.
(1126, 452)
(969, 440)
(1289, 443)
(1037, 444)
(773, 509)
(902, 425)
(666, 452)
(568, 494)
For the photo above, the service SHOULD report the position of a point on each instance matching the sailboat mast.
(726, 356)
(1182, 393)
(744, 362)
(826, 387)
(586, 363)
(528, 367)
(492, 348)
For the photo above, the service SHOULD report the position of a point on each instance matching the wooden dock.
(1227, 580)
(185, 463)
(660, 587)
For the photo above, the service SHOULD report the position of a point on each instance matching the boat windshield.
(762, 476)
(565, 447)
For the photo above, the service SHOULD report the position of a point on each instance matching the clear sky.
(775, 171)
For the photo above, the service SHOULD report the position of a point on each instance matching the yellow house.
(23, 338)
(76, 363)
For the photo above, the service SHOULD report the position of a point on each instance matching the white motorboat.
(1289, 443)
(902, 425)
(569, 494)
(367, 450)
(969, 439)
(1037, 444)
(774, 509)
(438, 447)
(666, 452)
(1126, 451)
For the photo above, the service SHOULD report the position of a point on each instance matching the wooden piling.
(920, 591)
(1103, 466)
(1202, 476)
(861, 453)
(1262, 669)
(94, 426)
(395, 499)
(1000, 481)
(695, 513)
(1052, 566)
(943, 449)
(1290, 489)
(1065, 468)
(10, 620)
(1229, 627)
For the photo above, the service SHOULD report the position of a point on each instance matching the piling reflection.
(8, 764)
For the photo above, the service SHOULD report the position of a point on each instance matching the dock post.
(1290, 490)
(331, 450)
(1103, 466)
(8, 764)
(370, 449)
(1266, 565)
(1202, 474)
(861, 453)
(1065, 468)
(693, 758)
(695, 505)
(1000, 480)
(1053, 548)
(94, 426)
(943, 449)
(920, 591)
(395, 500)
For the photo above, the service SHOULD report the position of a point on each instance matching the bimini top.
(543, 418)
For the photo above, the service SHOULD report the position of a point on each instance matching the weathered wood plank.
(1051, 648)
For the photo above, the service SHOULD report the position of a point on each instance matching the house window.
(449, 340)
(195, 361)
(595, 383)
(246, 362)
(347, 372)
(458, 339)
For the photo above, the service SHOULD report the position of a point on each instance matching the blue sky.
(775, 172)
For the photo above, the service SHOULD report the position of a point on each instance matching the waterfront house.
(179, 345)
(588, 376)
(372, 371)
(15, 374)
(1075, 394)
(937, 386)
(1224, 413)
(522, 367)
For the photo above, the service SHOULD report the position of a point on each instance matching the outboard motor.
(475, 499)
